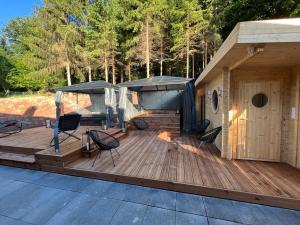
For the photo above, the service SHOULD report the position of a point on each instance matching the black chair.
(202, 125)
(210, 136)
(10, 127)
(104, 142)
(68, 125)
(140, 124)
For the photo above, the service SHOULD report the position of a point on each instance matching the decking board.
(151, 159)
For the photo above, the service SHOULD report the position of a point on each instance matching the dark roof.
(94, 87)
(157, 83)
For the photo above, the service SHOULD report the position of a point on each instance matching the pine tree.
(186, 28)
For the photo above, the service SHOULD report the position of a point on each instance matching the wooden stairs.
(35, 158)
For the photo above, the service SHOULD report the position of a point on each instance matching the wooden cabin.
(251, 88)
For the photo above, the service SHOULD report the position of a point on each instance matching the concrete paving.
(35, 197)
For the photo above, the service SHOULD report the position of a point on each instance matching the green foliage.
(233, 11)
(121, 38)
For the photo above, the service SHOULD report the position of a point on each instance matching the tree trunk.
(206, 53)
(106, 68)
(122, 74)
(187, 57)
(147, 49)
(187, 50)
(129, 70)
(193, 65)
(203, 63)
(90, 73)
(161, 57)
(68, 74)
(113, 69)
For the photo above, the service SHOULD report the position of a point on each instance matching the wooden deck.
(153, 159)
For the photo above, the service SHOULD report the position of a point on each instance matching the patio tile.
(97, 188)
(190, 219)
(8, 221)
(221, 209)
(10, 186)
(20, 174)
(46, 210)
(212, 221)
(70, 183)
(190, 203)
(163, 199)
(158, 216)
(276, 216)
(139, 194)
(117, 191)
(34, 204)
(129, 213)
(13, 200)
(99, 214)
(77, 208)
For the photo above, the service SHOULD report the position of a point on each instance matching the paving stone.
(8, 221)
(212, 221)
(221, 209)
(190, 219)
(47, 209)
(129, 214)
(117, 191)
(97, 188)
(190, 203)
(159, 216)
(20, 174)
(34, 204)
(76, 209)
(9, 187)
(163, 199)
(70, 183)
(99, 214)
(139, 194)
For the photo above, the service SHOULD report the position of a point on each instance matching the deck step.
(17, 157)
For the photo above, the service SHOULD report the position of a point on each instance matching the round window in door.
(259, 100)
(215, 101)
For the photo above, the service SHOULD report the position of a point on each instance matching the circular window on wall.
(259, 100)
(215, 101)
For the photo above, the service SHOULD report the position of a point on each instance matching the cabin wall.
(291, 148)
(214, 117)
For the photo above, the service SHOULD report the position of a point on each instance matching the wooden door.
(259, 128)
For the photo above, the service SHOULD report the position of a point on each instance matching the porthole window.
(215, 101)
(259, 100)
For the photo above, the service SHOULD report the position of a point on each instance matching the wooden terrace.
(152, 158)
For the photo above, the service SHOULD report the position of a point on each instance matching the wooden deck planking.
(145, 155)
(152, 159)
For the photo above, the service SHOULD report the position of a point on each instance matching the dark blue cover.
(189, 110)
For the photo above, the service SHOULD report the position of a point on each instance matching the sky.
(10, 9)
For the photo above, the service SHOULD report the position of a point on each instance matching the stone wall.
(33, 109)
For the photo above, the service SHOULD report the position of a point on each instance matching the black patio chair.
(10, 127)
(67, 124)
(140, 124)
(202, 125)
(210, 136)
(104, 142)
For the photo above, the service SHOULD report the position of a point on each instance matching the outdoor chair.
(140, 124)
(210, 136)
(68, 125)
(104, 142)
(202, 125)
(10, 127)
